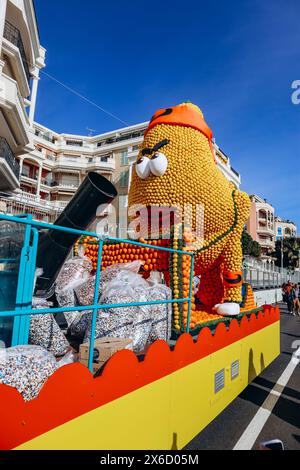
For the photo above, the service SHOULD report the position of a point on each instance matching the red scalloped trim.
(72, 390)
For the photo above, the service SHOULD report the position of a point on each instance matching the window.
(25, 170)
(124, 179)
(72, 158)
(279, 230)
(70, 180)
(262, 214)
(124, 157)
(105, 159)
(75, 143)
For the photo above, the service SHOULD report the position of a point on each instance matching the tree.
(291, 249)
(249, 246)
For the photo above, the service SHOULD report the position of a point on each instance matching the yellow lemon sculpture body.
(176, 167)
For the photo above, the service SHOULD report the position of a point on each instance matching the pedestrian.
(297, 298)
(284, 293)
(290, 294)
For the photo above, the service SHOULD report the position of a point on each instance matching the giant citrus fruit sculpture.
(176, 168)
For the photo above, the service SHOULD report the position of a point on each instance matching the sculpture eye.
(158, 164)
(142, 167)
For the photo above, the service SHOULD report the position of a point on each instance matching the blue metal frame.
(25, 283)
(24, 309)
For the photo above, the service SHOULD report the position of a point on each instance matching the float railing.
(23, 308)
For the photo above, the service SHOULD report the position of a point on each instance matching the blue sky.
(236, 60)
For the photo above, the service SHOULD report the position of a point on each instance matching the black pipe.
(55, 246)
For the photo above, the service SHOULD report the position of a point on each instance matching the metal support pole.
(96, 301)
(31, 277)
(22, 285)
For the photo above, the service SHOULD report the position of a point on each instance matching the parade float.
(169, 333)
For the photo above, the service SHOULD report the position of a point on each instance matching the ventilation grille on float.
(235, 369)
(219, 380)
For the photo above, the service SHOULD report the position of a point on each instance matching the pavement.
(284, 420)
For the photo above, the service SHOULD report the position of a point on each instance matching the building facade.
(21, 59)
(261, 225)
(285, 228)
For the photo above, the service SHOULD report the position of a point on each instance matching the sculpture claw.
(228, 309)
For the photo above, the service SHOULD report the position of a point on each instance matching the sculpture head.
(176, 164)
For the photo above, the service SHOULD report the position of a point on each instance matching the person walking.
(284, 292)
(290, 295)
(297, 298)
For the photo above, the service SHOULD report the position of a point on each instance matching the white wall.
(267, 296)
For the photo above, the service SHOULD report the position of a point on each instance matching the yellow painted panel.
(190, 401)
(259, 351)
(167, 413)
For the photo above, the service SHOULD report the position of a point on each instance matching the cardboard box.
(104, 348)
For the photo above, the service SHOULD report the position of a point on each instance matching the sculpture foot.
(228, 309)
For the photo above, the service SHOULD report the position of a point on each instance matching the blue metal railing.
(24, 308)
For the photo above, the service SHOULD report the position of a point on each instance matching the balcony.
(13, 35)
(228, 172)
(46, 182)
(74, 143)
(101, 163)
(41, 209)
(51, 158)
(235, 172)
(7, 154)
(9, 167)
(14, 121)
(64, 186)
(106, 145)
(45, 136)
(265, 242)
(263, 227)
(32, 180)
(122, 138)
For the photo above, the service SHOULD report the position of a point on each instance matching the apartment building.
(261, 224)
(51, 174)
(284, 228)
(21, 59)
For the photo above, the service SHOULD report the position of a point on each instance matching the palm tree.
(291, 247)
(291, 253)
